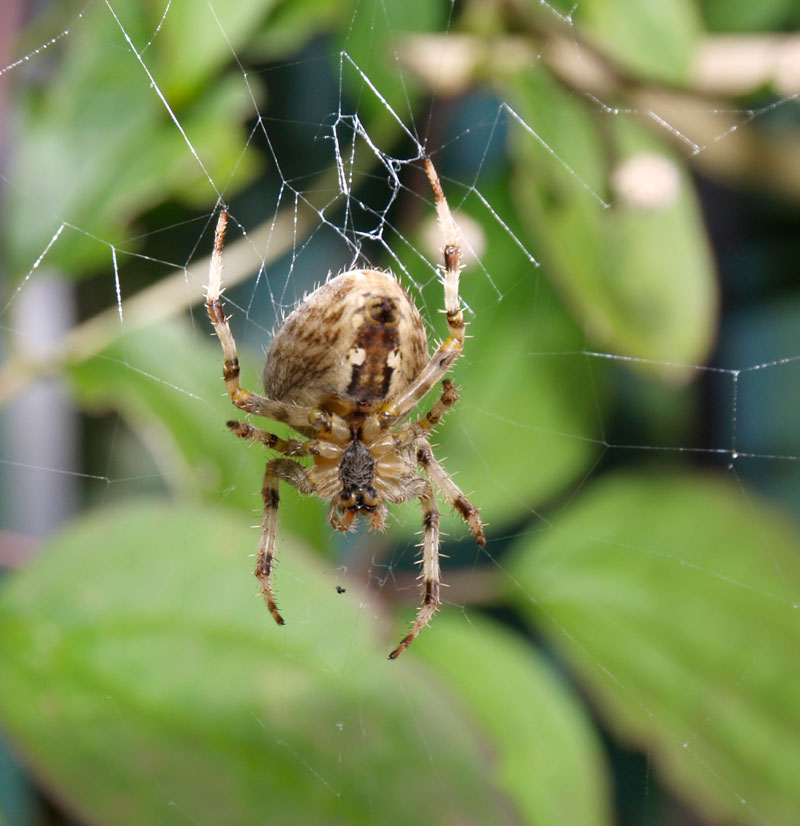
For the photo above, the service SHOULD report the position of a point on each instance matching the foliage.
(222, 720)
(143, 682)
(676, 606)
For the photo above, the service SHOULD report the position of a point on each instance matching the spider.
(343, 370)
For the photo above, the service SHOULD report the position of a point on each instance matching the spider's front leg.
(452, 259)
(449, 351)
(296, 476)
(296, 416)
(431, 574)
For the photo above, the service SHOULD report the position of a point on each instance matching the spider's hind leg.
(431, 574)
(296, 476)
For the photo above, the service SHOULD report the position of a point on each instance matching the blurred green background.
(625, 649)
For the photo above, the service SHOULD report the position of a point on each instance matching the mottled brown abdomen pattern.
(358, 338)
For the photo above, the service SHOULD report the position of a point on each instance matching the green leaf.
(548, 756)
(194, 43)
(652, 39)
(640, 280)
(745, 16)
(95, 145)
(144, 682)
(675, 601)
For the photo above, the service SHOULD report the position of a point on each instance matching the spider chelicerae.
(344, 370)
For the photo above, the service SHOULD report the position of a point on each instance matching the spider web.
(564, 388)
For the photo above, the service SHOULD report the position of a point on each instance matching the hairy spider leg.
(449, 351)
(377, 520)
(295, 475)
(452, 257)
(293, 415)
(431, 574)
(421, 428)
(451, 491)
(288, 447)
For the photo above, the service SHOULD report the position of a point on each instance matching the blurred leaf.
(94, 145)
(746, 16)
(370, 39)
(154, 687)
(652, 39)
(194, 42)
(675, 600)
(293, 24)
(640, 280)
(548, 756)
(178, 406)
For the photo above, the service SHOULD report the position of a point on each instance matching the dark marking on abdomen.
(378, 336)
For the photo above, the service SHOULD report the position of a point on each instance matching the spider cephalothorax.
(357, 469)
(344, 369)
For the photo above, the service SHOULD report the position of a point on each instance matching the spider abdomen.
(358, 337)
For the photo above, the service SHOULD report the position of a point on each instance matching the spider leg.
(431, 575)
(293, 415)
(451, 491)
(289, 447)
(411, 431)
(452, 258)
(449, 351)
(295, 475)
